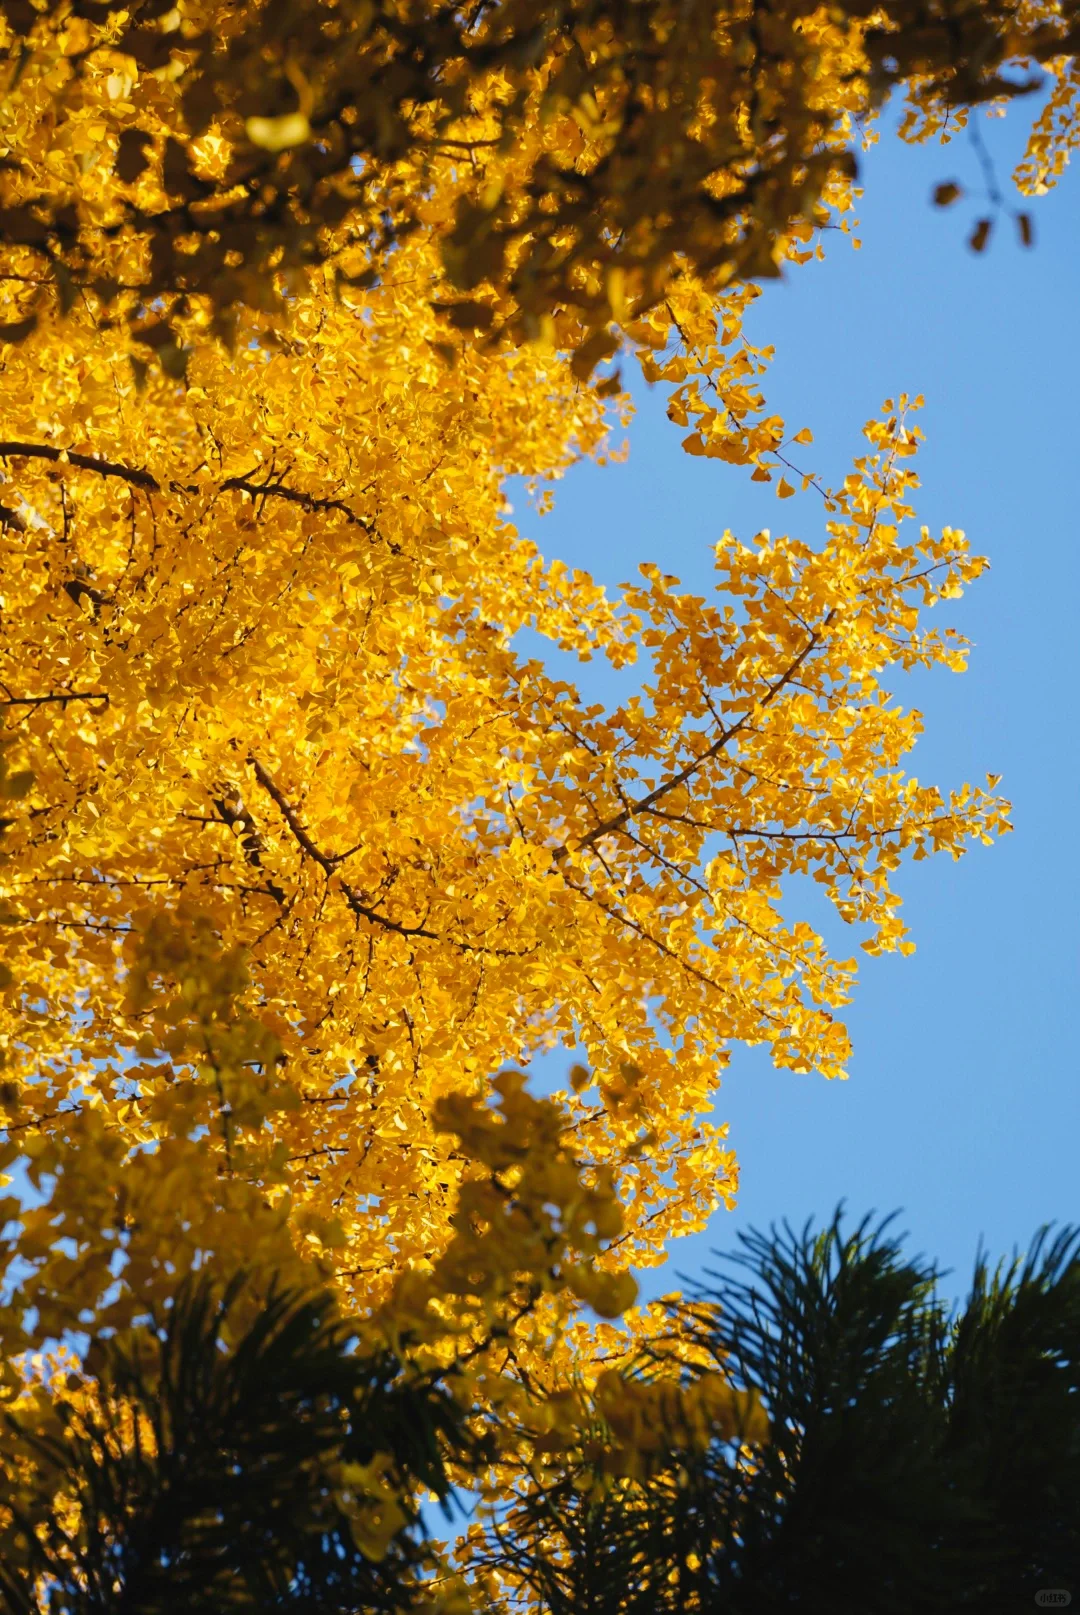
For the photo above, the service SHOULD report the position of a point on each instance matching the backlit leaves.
(307, 849)
(259, 639)
(572, 162)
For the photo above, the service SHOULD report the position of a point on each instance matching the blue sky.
(962, 1107)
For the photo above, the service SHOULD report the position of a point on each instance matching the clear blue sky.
(963, 1104)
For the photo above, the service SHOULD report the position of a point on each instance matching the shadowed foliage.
(916, 1460)
(562, 150)
(233, 1454)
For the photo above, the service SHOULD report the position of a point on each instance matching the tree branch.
(306, 501)
(617, 820)
(85, 462)
(328, 863)
(140, 478)
(62, 699)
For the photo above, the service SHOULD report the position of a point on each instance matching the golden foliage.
(299, 846)
(259, 658)
(568, 158)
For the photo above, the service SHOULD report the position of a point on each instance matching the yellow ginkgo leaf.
(278, 134)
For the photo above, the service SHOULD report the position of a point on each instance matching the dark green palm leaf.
(234, 1500)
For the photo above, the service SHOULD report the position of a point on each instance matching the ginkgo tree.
(259, 660)
(300, 848)
(569, 157)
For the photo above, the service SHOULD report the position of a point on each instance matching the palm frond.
(916, 1461)
(213, 1464)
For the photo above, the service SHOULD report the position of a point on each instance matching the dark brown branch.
(140, 478)
(755, 833)
(640, 930)
(61, 699)
(325, 861)
(328, 863)
(306, 501)
(85, 462)
(617, 820)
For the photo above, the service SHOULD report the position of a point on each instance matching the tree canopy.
(567, 158)
(304, 851)
(259, 660)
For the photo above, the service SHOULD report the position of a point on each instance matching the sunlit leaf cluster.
(310, 841)
(568, 158)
